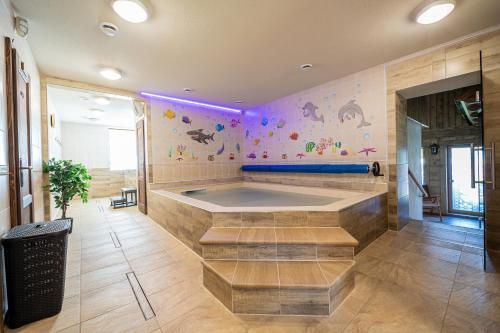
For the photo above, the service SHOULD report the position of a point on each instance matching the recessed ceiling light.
(109, 29)
(306, 67)
(435, 11)
(102, 100)
(133, 11)
(239, 102)
(94, 114)
(188, 90)
(110, 73)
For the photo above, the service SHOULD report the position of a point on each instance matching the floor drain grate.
(142, 300)
(115, 239)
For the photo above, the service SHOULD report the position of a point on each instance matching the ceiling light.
(187, 101)
(239, 102)
(435, 11)
(131, 10)
(306, 67)
(94, 114)
(102, 100)
(109, 29)
(110, 73)
(188, 90)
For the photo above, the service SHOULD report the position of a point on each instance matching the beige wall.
(21, 45)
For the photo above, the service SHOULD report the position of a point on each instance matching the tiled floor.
(426, 278)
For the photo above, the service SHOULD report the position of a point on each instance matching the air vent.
(109, 29)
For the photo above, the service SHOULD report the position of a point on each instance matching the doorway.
(465, 180)
(451, 153)
(98, 130)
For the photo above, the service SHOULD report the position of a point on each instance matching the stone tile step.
(335, 236)
(279, 287)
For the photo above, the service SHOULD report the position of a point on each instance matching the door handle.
(492, 171)
(472, 166)
(21, 168)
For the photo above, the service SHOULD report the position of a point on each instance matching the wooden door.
(141, 166)
(19, 123)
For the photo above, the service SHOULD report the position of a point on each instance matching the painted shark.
(350, 110)
(309, 110)
(201, 137)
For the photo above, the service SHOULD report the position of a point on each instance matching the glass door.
(465, 177)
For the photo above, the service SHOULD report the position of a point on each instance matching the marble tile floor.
(426, 278)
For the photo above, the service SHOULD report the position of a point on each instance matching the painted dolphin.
(350, 110)
(309, 110)
(201, 137)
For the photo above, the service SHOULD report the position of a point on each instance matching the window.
(122, 150)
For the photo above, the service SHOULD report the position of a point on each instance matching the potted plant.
(66, 180)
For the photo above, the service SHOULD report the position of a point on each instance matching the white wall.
(86, 144)
(54, 133)
(23, 49)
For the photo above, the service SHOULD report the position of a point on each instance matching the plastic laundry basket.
(35, 269)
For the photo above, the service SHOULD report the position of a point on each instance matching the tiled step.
(274, 243)
(279, 287)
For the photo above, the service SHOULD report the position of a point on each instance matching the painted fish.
(265, 155)
(238, 148)
(256, 141)
(310, 146)
(367, 150)
(211, 158)
(235, 123)
(247, 134)
(300, 155)
(281, 123)
(169, 114)
(201, 137)
(309, 110)
(186, 120)
(221, 150)
(219, 127)
(270, 134)
(252, 156)
(350, 110)
(344, 152)
(264, 121)
(294, 136)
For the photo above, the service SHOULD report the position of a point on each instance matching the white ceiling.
(230, 50)
(72, 105)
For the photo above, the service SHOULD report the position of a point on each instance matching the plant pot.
(71, 227)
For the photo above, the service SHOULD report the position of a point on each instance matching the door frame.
(47, 81)
(449, 185)
(141, 123)
(11, 67)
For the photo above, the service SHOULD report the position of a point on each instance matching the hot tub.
(188, 212)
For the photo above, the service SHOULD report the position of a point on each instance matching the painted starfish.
(367, 150)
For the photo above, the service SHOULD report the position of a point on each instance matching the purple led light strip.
(186, 101)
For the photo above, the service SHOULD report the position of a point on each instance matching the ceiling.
(72, 105)
(229, 50)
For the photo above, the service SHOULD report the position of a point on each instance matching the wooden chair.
(432, 201)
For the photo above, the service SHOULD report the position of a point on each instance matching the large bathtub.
(188, 212)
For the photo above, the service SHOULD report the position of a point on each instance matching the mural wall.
(192, 143)
(342, 121)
